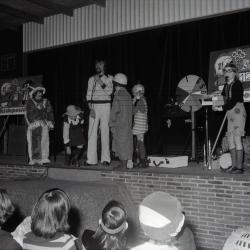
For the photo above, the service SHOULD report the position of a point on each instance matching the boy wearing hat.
(40, 119)
(73, 134)
(121, 121)
(162, 219)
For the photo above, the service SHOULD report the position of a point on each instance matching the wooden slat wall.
(119, 16)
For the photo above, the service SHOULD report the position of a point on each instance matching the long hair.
(50, 214)
(6, 206)
(112, 227)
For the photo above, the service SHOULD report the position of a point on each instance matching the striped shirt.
(140, 117)
(60, 241)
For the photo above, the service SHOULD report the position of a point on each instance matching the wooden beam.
(56, 7)
(20, 14)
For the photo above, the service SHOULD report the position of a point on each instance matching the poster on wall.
(240, 56)
(14, 94)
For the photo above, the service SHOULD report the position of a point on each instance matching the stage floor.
(193, 168)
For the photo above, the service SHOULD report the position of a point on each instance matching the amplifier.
(168, 161)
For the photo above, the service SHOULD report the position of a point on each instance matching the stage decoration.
(189, 94)
(240, 56)
(14, 94)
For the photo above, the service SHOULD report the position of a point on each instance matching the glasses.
(227, 70)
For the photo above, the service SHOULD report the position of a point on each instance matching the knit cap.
(161, 216)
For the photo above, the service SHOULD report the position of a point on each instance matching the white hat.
(121, 79)
(35, 89)
(161, 216)
(72, 110)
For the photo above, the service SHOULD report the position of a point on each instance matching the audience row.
(161, 218)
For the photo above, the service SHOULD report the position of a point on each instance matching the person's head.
(100, 66)
(161, 217)
(112, 226)
(72, 111)
(37, 93)
(138, 90)
(6, 206)
(50, 214)
(230, 71)
(120, 80)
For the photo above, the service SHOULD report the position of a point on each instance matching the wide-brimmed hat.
(72, 110)
(34, 88)
(161, 216)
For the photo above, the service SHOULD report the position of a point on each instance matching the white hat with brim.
(72, 111)
(161, 216)
(34, 90)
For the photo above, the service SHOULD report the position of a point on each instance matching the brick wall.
(19, 171)
(214, 206)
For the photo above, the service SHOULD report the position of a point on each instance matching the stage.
(193, 168)
(215, 203)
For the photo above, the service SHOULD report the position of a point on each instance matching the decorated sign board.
(14, 94)
(240, 56)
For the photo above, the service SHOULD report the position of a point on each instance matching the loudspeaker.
(17, 140)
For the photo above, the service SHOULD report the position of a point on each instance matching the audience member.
(49, 223)
(6, 210)
(121, 122)
(73, 135)
(110, 234)
(162, 219)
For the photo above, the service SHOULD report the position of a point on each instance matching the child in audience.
(162, 219)
(49, 224)
(110, 234)
(6, 210)
(73, 135)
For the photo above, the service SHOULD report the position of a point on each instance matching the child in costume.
(121, 122)
(140, 123)
(40, 119)
(162, 220)
(73, 134)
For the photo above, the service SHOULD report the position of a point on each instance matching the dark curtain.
(158, 58)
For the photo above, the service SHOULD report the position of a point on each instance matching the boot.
(77, 157)
(239, 161)
(136, 153)
(143, 159)
(143, 163)
(233, 157)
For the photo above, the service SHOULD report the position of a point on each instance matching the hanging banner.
(14, 94)
(240, 56)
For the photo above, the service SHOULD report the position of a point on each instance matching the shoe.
(45, 161)
(89, 164)
(31, 163)
(236, 170)
(227, 170)
(106, 163)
